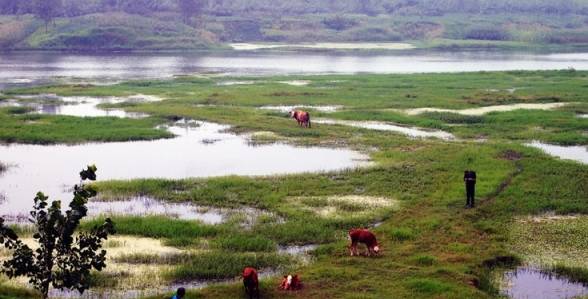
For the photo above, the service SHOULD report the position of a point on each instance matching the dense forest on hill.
(300, 7)
(194, 24)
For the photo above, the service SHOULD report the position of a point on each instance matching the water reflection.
(288, 108)
(20, 69)
(382, 126)
(170, 288)
(51, 168)
(489, 109)
(577, 153)
(524, 283)
(82, 106)
(146, 206)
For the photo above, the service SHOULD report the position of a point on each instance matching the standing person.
(469, 177)
(179, 294)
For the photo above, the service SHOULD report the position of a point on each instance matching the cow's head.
(287, 282)
(377, 249)
(292, 114)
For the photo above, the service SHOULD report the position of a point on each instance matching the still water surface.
(25, 69)
(53, 169)
(527, 283)
(577, 153)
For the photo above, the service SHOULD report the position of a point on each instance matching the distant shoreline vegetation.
(194, 25)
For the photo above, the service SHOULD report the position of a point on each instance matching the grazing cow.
(366, 237)
(302, 117)
(251, 282)
(291, 283)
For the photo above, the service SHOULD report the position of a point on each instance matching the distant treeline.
(71, 8)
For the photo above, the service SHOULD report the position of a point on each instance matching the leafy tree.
(191, 8)
(109, 4)
(9, 6)
(62, 260)
(47, 10)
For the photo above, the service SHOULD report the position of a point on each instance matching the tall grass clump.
(245, 243)
(152, 258)
(403, 234)
(18, 110)
(159, 227)
(425, 260)
(310, 230)
(453, 118)
(428, 286)
(574, 274)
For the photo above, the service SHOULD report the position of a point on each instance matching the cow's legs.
(353, 248)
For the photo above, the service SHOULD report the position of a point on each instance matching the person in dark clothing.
(179, 294)
(469, 177)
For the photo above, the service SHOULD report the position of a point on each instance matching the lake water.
(489, 109)
(81, 106)
(383, 126)
(53, 169)
(25, 69)
(577, 153)
(527, 283)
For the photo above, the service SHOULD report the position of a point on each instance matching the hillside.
(101, 31)
(91, 25)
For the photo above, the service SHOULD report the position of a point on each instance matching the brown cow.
(302, 117)
(251, 282)
(366, 237)
(291, 283)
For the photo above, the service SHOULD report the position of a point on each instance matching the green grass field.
(47, 129)
(432, 246)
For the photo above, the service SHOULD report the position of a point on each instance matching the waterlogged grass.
(428, 228)
(159, 227)
(46, 129)
(17, 110)
(151, 258)
(552, 241)
(431, 246)
(369, 97)
(224, 264)
(245, 243)
(559, 127)
(573, 273)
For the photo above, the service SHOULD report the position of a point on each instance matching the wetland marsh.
(242, 185)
